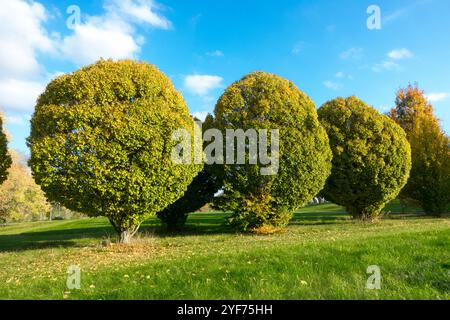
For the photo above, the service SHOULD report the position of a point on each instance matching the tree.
(409, 102)
(5, 158)
(429, 182)
(101, 142)
(263, 101)
(21, 199)
(371, 157)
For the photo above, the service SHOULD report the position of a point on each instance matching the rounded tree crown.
(265, 101)
(371, 156)
(101, 141)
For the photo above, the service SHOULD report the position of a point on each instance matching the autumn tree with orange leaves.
(429, 182)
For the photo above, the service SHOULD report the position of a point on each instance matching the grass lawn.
(321, 255)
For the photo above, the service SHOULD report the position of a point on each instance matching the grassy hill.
(321, 255)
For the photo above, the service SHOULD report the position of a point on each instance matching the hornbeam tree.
(101, 143)
(371, 157)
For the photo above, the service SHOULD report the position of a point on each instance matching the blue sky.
(324, 47)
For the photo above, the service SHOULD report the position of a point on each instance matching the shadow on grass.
(64, 237)
(73, 233)
(51, 239)
(197, 224)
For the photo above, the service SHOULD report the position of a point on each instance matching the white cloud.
(386, 65)
(112, 35)
(142, 11)
(343, 75)
(99, 38)
(20, 95)
(390, 64)
(22, 36)
(352, 53)
(404, 11)
(399, 54)
(216, 53)
(201, 84)
(332, 85)
(395, 15)
(437, 96)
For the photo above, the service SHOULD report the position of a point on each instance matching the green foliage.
(429, 182)
(371, 157)
(101, 142)
(265, 101)
(5, 158)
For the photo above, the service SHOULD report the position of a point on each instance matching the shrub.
(101, 142)
(265, 101)
(371, 157)
(429, 182)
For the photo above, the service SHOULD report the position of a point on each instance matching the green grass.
(322, 255)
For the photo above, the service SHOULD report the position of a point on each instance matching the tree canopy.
(371, 157)
(264, 101)
(101, 142)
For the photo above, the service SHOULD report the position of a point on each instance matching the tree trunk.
(365, 217)
(125, 234)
